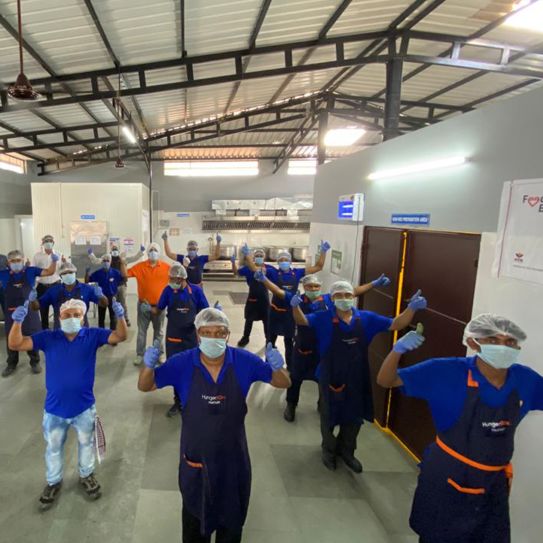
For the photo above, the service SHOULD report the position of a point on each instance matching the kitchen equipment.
(226, 252)
(300, 253)
(274, 252)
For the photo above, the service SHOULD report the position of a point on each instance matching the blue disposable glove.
(118, 310)
(98, 292)
(296, 300)
(20, 313)
(381, 281)
(55, 257)
(218, 305)
(218, 238)
(417, 301)
(164, 235)
(152, 355)
(260, 276)
(409, 342)
(245, 251)
(145, 308)
(325, 246)
(274, 358)
(233, 259)
(90, 251)
(33, 296)
(142, 248)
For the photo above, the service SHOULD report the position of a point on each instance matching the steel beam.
(323, 128)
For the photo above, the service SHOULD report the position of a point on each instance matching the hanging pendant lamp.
(22, 89)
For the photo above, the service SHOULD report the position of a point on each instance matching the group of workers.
(476, 402)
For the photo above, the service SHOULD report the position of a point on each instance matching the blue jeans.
(55, 431)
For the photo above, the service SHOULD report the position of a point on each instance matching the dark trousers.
(13, 357)
(342, 444)
(102, 314)
(191, 531)
(249, 327)
(289, 346)
(44, 310)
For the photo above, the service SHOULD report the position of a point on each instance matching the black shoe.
(329, 461)
(290, 412)
(8, 370)
(174, 409)
(90, 486)
(128, 323)
(35, 368)
(352, 463)
(243, 341)
(49, 495)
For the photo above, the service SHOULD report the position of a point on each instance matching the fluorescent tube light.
(129, 135)
(418, 168)
(302, 166)
(12, 164)
(529, 18)
(343, 137)
(212, 168)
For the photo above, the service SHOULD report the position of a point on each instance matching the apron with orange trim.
(180, 330)
(281, 319)
(345, 376)
(215, 469)
(257, 305)
(305, 358)
(463, 488)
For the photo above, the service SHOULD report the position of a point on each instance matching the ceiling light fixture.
(526, 16)
(302, 166)
(343, 137)
(129, 135)
(418, 168)
(212, 168)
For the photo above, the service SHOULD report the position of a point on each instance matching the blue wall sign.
(88, 217)
(422, 219)
(183, 215)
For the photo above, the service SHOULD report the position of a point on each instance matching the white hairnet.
(488, 324)
(311, 279)
(341, 286)
(177, 270)
(192, 243)
(211, 317)
(74, 303)
(105, 257)
(67, 267)
(259, 251)
(12, 255)
(284, 254)
(153, 247)
(46, 238)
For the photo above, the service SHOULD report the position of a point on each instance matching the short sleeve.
(93, 277)
(102, 336)
(4, 277)
(426, 379)
(201, 300)
(531, 389)
(168, 374)
(39, 340)
(318, 320)
(260, 370)
(245, 271)
(374, 324)
(204, 259)
(180, 258)
(164, 300)
(133, 271)
(299, 272)
(32, 272)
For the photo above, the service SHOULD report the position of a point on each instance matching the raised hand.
(274, 358)
(296, 300)
(218, 305)
(417, 301)
(245, 251)
(20, 313)
(409, 342)
(259, 276)
(381, 281)
(118, 309)
(55, 257)
(98, 292)
(164, 236)
(152, 355)
(325, 246)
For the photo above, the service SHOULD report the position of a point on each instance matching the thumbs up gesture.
(20, 313)
(152, 354)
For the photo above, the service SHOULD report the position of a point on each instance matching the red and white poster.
(519, 244)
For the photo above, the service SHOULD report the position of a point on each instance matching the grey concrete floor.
(294, 498)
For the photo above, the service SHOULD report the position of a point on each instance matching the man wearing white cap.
(344, 334)
(70, 360)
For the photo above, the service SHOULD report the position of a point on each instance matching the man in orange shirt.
(152, 276)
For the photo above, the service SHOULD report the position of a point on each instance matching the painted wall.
(15, 198)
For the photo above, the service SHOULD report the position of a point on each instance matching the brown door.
(381, 253)
(444, 266)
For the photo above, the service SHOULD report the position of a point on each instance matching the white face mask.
(500, 357)
(153, 256)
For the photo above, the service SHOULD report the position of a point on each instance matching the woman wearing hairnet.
(212, 382)
(344, 334)
(477, 403)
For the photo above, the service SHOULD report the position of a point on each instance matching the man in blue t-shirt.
(109, 280)
(477, 403)
(344, 335)
(212, 382)
(70, 360)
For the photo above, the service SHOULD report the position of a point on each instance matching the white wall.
(15, 193)
(7, 235)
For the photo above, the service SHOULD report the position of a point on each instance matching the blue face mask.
(71, 325)
(16, 267)
(259, 260)
(68, 278)
(212, 347)
(344, 305)
(192, 253)
(499, 356)
(284, 266)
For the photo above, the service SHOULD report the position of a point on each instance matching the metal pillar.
(393, 98)
(323, 128)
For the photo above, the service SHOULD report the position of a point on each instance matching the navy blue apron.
(463, 488)
(257, 305)
(16, 293)
(345, 376)
(306, 358)
(116, 265)
(180, 330)
(64, 296)
(195, 271)
(281, 319)
(215, 469)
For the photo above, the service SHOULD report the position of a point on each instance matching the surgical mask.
(68, 278)
(312, 294)
(344, 304)
(212, 347)
(259, 260)
(499, 356)
(16, 267)
(153, 256)
(71, 325)
(114, 253)
(106, 265)
(174, 286)
(192, 253)
(48, 245)
(284, 266)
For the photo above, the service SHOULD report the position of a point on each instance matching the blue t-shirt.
(315, 306)
(321, 322)
(54, 294)
(249, 274)
(198, 297)
(442, 382)
(109, 280)
(203, 259)
(29, 274)
(273, 274)
(69, 369)
(178, 370)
